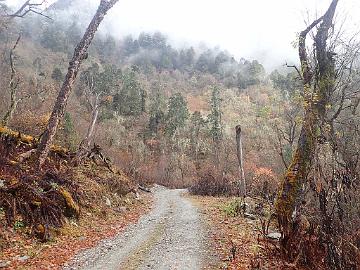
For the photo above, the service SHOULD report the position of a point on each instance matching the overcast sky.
(261, 29)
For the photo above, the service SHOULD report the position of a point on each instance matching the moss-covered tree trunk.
(80, 54)
(318, 86)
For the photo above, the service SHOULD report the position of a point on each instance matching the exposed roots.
(38, 200)
(42, 200)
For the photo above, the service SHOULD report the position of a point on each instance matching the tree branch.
(26, 8)
(296, 68)
(305, 66)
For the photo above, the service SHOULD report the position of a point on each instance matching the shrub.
(211, 184)
(234, 208)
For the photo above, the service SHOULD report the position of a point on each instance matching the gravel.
(171, 236)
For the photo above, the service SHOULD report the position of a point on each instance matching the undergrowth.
(39, 202)
(234, 207)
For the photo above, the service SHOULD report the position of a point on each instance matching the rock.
(4, 264)
(23, 258)
(157, 187)
(122, 209)
(107, 202)
(127, 201)
(249, 216)
(82, 238)
(274, 235)
(74, 223)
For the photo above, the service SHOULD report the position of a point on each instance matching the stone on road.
(171, 236)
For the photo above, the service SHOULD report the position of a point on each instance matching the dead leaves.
(235, 240)
(88, 231)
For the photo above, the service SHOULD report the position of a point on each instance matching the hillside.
(87, 135)
(161, 71)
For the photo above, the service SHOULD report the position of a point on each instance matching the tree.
(54, 38)
(177, 114)
(317, 91)
(197, 124)
(251, 73)
(13, 85)
(130, 100)
(157, 108)
(145, 40)
(215, 122)
(80, 53)
(73, 33)
(98, 85)
(189, 58)
(57, 75)
(108, 49)
(130, 46)
(205, 62)
(158, 40)
(288, 84)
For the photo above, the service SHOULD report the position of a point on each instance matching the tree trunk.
(9, 114)
(80, 54)
(317, 97)
(13, 85)
(94, 116)
(85, 143)
(239, 153)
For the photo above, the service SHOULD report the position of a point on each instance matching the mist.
(262, 30)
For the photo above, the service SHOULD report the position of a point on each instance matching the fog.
(257, 29)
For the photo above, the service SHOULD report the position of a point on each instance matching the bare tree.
(98, 89)
(93, 100)
(80, 54)
(13, 86)
(318, 85)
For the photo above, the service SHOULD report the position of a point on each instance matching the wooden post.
(239, 152)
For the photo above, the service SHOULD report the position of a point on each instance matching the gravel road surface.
(171, 236)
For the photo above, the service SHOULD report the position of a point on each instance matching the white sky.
(262, 29)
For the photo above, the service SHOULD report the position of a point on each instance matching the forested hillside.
(144, 110)
(176, 107)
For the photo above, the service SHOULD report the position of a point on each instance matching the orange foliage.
(197, 103)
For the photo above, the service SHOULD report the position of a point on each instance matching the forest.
(101, 133)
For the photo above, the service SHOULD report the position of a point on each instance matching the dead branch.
(26, 8)
(296, 68)
(281, 135)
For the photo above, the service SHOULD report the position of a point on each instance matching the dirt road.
(171, 236)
